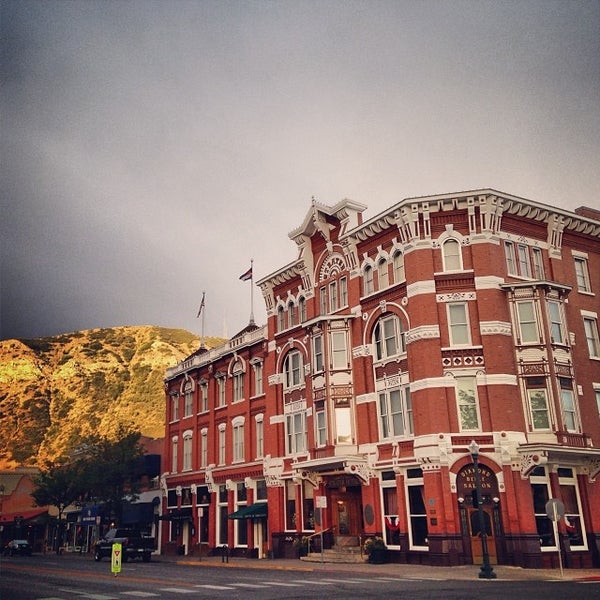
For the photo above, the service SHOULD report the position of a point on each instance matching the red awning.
(24, 514)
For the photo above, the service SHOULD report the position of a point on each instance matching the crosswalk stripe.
(177, 590)
(316, 582)
(209, 586)
(249, 585)
(280, 583)
(140, 594)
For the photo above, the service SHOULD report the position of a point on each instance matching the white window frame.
(394, 410)
(528, 325)
(321, 427)
(260, 435)
(343, 292)
(590, 326)
(221, 387)
(257, 368)
(368, 280)
(295, 432)
(293, 370)
(204, 447)
(398, 267)
(222, 437)
(302, 309)
(175, 407)
(280, 318)
(582, 274)
(238, 439)
(203, 396)
(537, 261)
(556, 322)
(535, 394)
(188, 410)
(323, 300)
(383, 274)
(511, 258)
(333, 297)
(459, 328)
(452, 261)
(318, 354)
(467, 404)
(238, 386)
(339, 350)
(187, 451)
(389, 338)
(174, 453)
(523, 260)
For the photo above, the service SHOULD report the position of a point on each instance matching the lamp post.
(486, 572)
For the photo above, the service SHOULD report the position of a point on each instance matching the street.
(52, 577)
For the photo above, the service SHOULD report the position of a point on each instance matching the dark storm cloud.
(151, 149)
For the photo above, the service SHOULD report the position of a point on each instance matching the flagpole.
(203, 315)
(251, 291)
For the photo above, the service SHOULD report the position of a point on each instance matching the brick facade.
(390, 345)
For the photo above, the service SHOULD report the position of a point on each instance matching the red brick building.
(391, 344)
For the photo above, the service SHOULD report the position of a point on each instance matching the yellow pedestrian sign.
(117, 554)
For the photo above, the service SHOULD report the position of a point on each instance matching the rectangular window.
(175, 407)
(538, 263)
(590, 325)
(343, 292)
(280, 319)
(582, 274)
(528, 330)
(395, 413)
(204, 448)
(468, 410)
(260, 438)
(574, 523)
(258, 379)
(296, 432)
(223, 519)
(238, 387)
(189, 403)
(222, 446)
(540, 490)
(204, 397)
(339, 354)
(567, 397)
(238, 442)
(368, 280)
(511, 259)
(333, 297)
(308, 506)
(556, 324)
(187, 453)
(390, 510)
(318, 354)
(221, 391)
(343, 425)
(597, 394)
(524, 266)
(241, 527)
(293, 369)
(538, 406)
(291, 315)
(323, 301)
(321, 424)
(459, 324)
(174, 455)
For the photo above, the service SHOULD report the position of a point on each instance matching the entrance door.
(346, 513)
(476, 545)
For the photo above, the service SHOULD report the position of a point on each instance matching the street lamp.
(486, 572)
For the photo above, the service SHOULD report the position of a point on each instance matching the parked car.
(134, 545)
(21, 547)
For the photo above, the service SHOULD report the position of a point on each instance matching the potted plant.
(301, 545)
(376, 550)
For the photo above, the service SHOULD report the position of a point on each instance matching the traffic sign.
(555, 509)
(116, 556)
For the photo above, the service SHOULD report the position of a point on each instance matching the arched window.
(302, 309)
(389, 337)
(291, 314)
(383, 274)
(368, 280)
(451, 255)
(398, 265)
(280, 318)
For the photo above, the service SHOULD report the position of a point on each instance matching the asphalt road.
(52, 577)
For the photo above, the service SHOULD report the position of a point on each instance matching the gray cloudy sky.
(150, 149)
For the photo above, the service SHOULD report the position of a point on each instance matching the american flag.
(201, 306)
(247, 275)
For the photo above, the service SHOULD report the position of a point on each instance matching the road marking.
(209, 586)
(249, 585)
(85, 594)
(283, 584)
(317, 582)
(177, 590)
(140, 594)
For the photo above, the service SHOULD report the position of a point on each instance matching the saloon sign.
(465, 481)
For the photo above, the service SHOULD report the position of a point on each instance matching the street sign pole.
(555, 511)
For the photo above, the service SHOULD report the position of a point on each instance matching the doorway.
(474, 530)
(346, 514)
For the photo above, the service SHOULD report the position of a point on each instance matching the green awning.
(254, 511)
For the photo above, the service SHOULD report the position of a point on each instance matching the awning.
(181, 514)
(23, 515)
(254, 511)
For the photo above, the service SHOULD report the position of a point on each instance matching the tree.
(100, 470)
(58, 484)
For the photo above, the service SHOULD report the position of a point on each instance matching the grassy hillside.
(55, 391)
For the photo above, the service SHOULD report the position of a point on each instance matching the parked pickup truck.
(133, 545)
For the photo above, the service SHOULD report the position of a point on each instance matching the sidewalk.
(403, 571)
